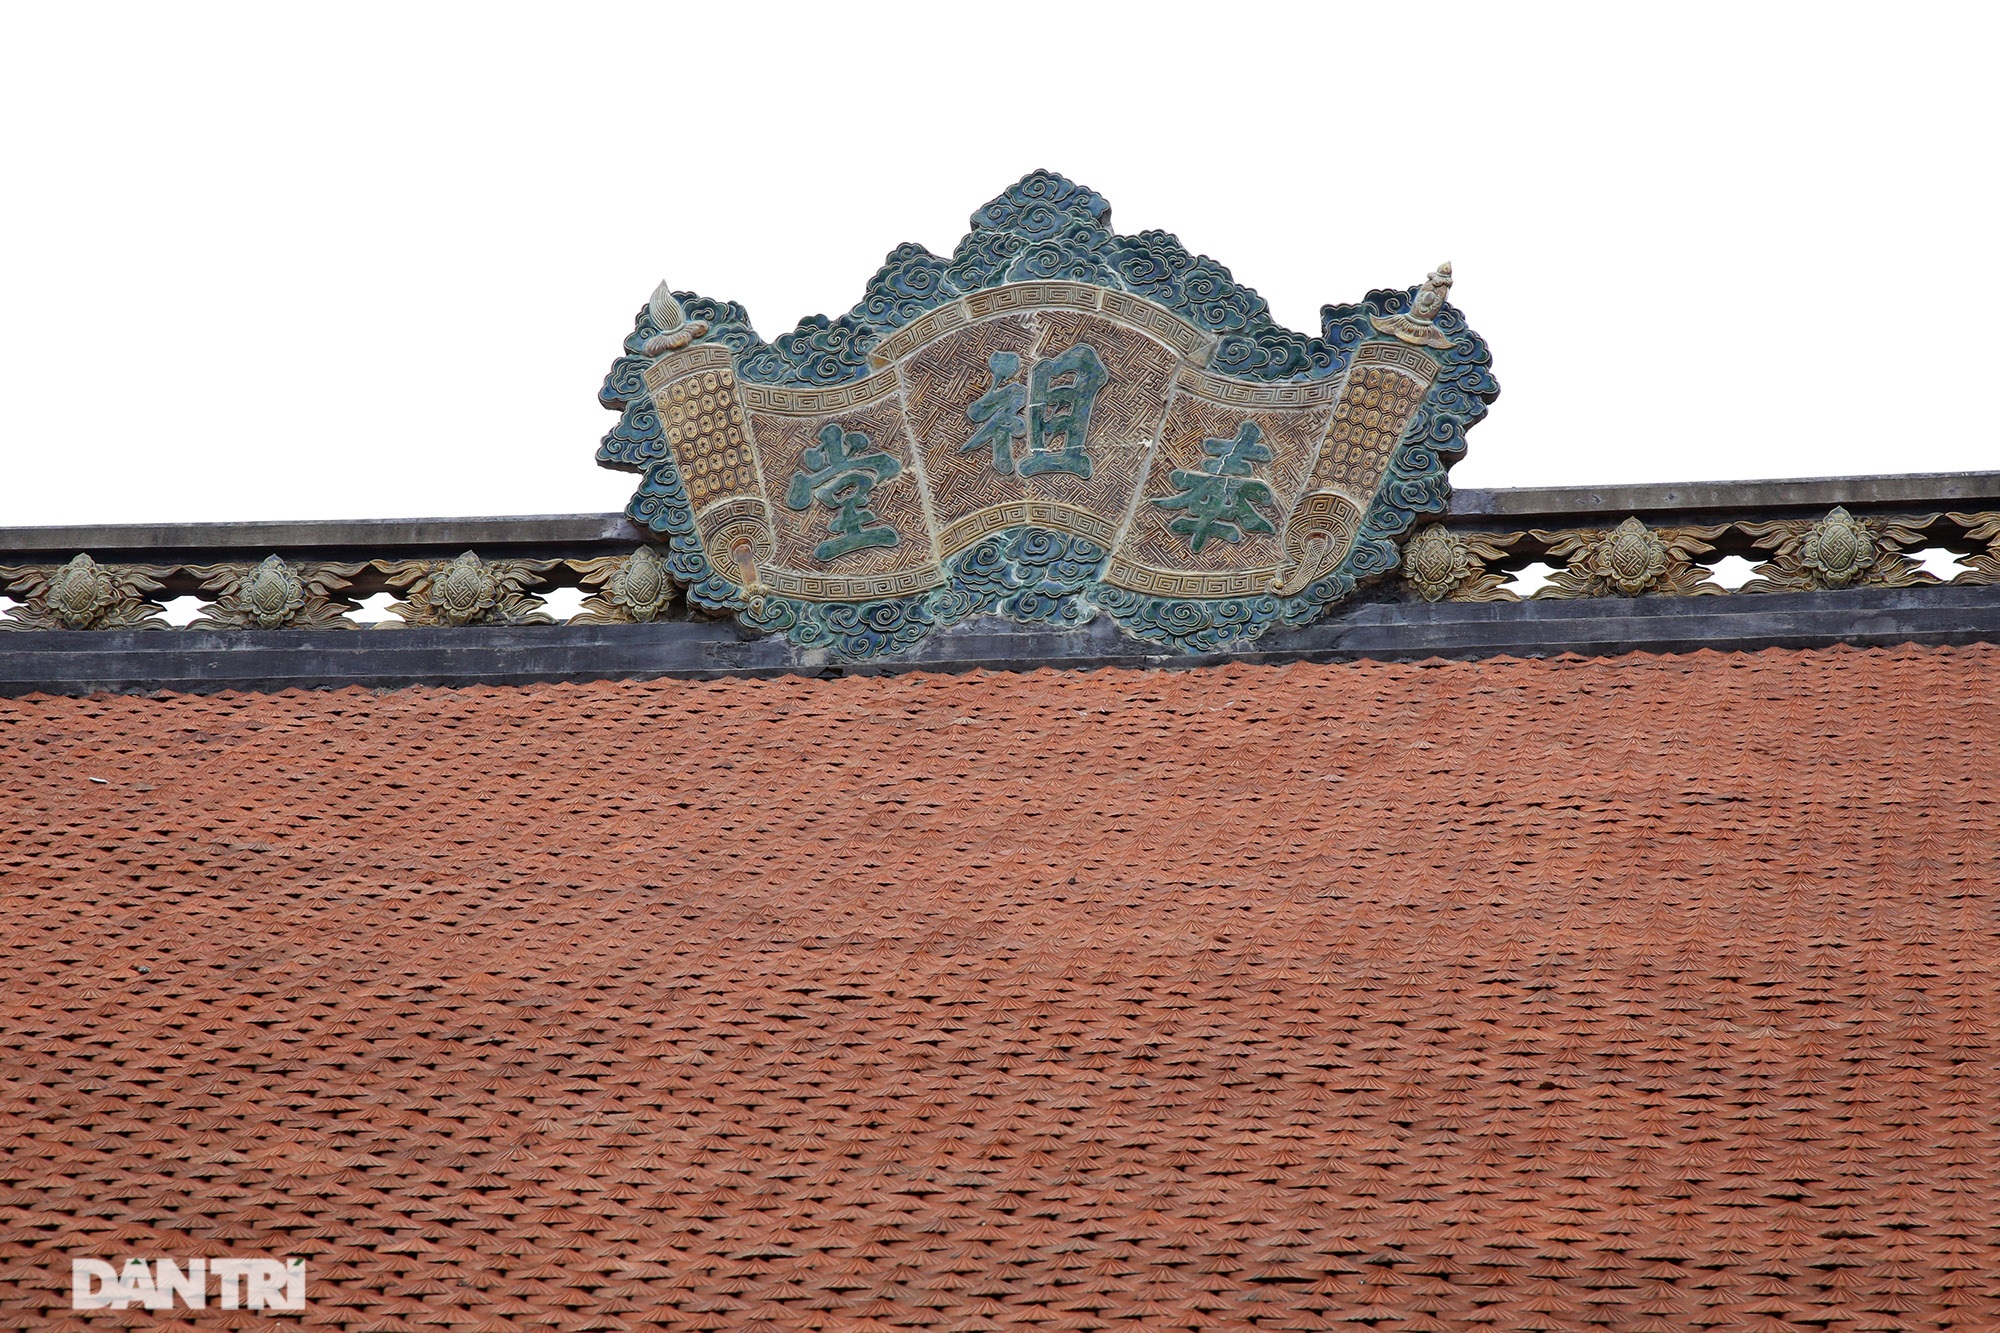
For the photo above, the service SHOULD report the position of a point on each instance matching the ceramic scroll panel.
(1053, 423)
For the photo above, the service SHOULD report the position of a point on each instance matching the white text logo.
(240, 1284)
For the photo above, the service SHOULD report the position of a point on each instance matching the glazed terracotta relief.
(1054, 423)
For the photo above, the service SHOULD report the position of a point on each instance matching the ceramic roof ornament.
(1053, 423)
(676, 329)
(1419, 327)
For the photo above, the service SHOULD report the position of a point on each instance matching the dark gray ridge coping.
(1571, 506)
(200, 661)
(1938, 490)
(379, 536)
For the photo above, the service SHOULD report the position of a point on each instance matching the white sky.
(277, 261)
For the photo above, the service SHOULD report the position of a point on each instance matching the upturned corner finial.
(676, 329)
(1419, 327)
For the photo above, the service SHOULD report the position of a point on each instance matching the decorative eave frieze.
(621, 579)
(1521, 572)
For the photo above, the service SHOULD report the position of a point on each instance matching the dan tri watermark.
(238, 1284)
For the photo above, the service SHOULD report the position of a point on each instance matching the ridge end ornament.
(1419, 327)
(676, 329)
(1050, 423)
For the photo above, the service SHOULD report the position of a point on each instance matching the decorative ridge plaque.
(1055, 422)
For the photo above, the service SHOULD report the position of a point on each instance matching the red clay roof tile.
(1642, 993)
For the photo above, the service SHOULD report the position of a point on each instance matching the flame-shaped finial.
(667, 312)
(676, 329)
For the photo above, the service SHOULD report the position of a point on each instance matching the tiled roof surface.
(1647, 993)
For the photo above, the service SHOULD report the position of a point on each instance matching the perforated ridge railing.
(1717, 538)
